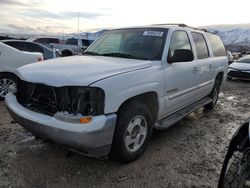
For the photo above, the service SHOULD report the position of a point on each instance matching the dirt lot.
(188, 154)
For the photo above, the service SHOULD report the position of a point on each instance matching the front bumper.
(93, 139)
(237, 74)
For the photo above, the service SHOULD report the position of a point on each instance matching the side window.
(200, 45)
(179, 41)
(72, 41)
(40, 40)
(33, 48)
(18, 45)
(85, 42)
(217, 45)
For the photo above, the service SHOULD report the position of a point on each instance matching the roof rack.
(178, 24)
(183, 25)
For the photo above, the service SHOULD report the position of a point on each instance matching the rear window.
(217, 45)
(200, 45)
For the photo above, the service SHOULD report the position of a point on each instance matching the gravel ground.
(189, 154)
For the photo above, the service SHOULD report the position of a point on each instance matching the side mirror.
(181, 55)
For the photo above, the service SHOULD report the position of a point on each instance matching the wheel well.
(66, 52)
(9, 73)
(220, 76)
(149, 99)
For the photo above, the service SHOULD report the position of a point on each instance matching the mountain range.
(235, 37)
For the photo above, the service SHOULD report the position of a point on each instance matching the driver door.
(180, 77)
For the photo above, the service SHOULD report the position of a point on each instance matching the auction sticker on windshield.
(153, 33)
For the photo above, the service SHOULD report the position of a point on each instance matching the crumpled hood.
(78, 70)
(240, 66)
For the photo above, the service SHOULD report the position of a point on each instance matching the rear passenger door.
(204, 70)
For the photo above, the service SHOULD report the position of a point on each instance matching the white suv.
(129, 81)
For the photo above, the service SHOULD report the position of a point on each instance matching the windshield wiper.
(90, 53)
(119, 55)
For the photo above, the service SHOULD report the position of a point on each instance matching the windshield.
(244, 60)
(146, 44)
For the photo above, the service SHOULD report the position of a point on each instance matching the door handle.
(195, 69)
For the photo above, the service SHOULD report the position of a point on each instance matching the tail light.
(40, 59)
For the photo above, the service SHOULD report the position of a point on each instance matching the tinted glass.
(18, 45)
(179, 41)
(53, 40)
(47, 40)
(85, 42)
(40, 40)
(200, 45)
(72, 42)
(133, 43)
(217, 45)
(30, 47)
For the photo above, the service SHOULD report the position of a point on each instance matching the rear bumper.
(93, 139)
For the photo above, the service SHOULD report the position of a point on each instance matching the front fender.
(122, 87)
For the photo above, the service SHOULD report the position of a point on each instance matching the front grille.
(37, 97)
(239, 74)
(71, 99)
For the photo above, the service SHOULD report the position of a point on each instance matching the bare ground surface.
(189, 154)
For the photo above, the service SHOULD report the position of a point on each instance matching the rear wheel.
(132, 133)
(6, 81)
(214, 95)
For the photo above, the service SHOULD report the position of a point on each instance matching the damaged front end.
(66, 101)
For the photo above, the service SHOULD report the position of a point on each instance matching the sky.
(60, 16)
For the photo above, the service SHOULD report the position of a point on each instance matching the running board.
(177, 116)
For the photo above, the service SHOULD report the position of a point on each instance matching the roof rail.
(182, 25)
(178, 24)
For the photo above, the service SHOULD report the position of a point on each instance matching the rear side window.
(18, 45)
(30, 47)
(179, 41)
(200, 45)
(217, 45)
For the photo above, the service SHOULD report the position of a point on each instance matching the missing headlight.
(71, 99)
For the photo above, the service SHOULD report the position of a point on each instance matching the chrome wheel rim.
(5, 84)
(136, 133)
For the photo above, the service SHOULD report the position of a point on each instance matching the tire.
(214, 95)
(132, 133)
(238, 172)
(6, 80)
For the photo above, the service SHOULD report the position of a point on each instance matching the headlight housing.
(71, 99)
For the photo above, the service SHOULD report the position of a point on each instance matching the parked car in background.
(240, 69)
(72, 46)
(33, 47)
(6, 38)
(10, 60)
(46, 41)
(128, 82)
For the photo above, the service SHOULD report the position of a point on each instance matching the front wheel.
(132, 133)
(6, 81)
(214, 95)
